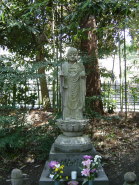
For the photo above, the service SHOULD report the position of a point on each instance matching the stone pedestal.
(72, 144)
(71, 128)
(72, 162)
(102, 179)
(72, 139)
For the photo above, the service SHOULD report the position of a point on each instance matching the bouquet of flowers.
(56, 170)
(90, 166)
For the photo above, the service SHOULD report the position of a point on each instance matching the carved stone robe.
(73, 89)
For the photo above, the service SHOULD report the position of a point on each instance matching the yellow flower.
(61, 171)
(60, 177)
(56, 169)
(67, 177)
(62, 166)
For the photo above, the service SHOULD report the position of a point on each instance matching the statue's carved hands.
(63, 75)
(82, 74)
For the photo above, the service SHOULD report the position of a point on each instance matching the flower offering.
(90, 166)
(56, 170)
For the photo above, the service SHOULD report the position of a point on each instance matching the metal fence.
(28, 95)
(113, 95)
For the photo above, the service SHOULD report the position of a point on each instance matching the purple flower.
(87, 157)
(52, 164)
(93, 170)
(85, 172)
(87, 163)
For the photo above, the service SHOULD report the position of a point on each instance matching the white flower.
(57, 165)
(97, 157)
(51, 176)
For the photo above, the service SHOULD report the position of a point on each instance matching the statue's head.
(72, 54)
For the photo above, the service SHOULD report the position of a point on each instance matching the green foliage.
(22, 23)
(11, 133)
(110, 19)
(89, 112)
(108, 100)
(17, 74)
(135, 93)
(41, 139)
(106, 74)
(22, 97)
(17, 136)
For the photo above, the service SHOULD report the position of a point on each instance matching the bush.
(17, 137)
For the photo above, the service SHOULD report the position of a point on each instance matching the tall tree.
(89, 45)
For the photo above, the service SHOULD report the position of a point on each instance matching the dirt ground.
(116, 140)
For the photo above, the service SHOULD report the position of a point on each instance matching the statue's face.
(72, 56)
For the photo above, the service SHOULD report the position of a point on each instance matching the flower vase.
(56, 183)
(90, 182)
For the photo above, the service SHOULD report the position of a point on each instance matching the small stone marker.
(130, 178)
(16, 177)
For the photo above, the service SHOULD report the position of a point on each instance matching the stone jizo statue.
(73, 90)
(73, 86)
(16, 177)
(130, 178)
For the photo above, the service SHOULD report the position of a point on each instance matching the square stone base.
(102, 179)
(71, 161)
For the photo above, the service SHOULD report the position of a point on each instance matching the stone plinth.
(72, 144)
(72, 139)
(72, 162)
(102, 179)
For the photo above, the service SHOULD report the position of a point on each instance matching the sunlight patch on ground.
(37, 117)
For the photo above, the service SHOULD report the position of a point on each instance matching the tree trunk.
(43, 83)
(89, 45)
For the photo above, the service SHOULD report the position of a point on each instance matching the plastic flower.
(51, 176)
(87, 157)
(87, 163)
(56, 170)
(85, 172)
(62, 166)
(57, 165)
(93, 170)
(90, 166)
(52, 164)
(97, 157)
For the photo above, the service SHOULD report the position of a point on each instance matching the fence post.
(38, 91)
(122, 96)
